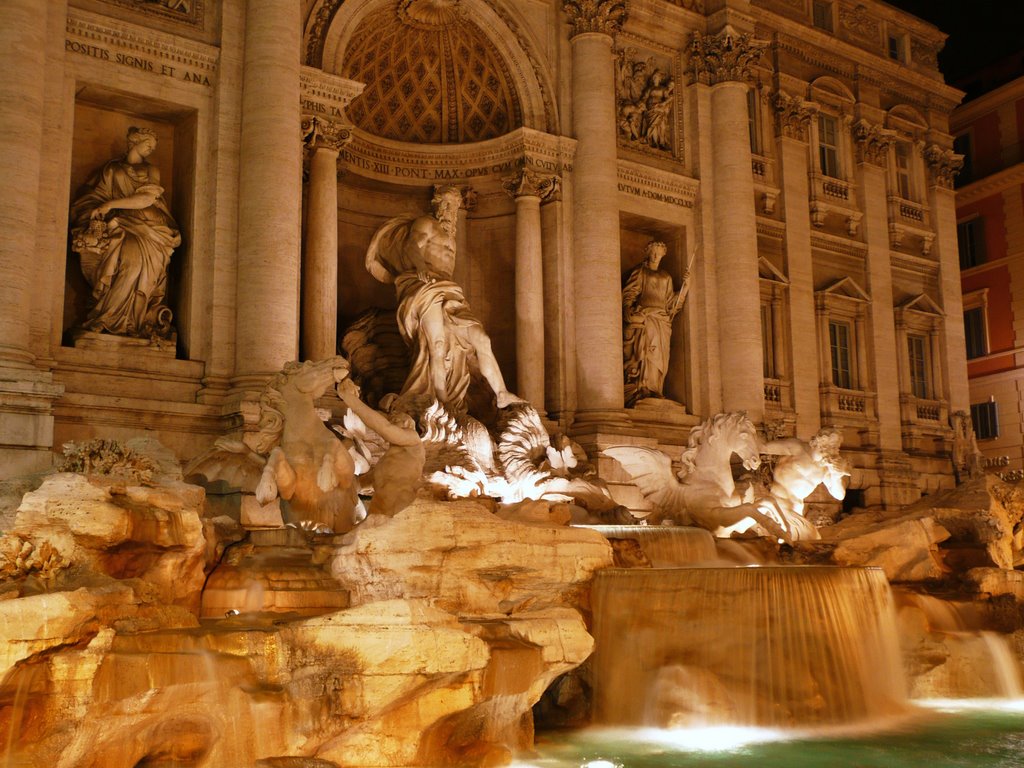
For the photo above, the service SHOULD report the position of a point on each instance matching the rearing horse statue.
(705, 494)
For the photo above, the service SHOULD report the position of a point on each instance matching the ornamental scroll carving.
(644, 98)
(604, 16)
(724, 57)
(793, 115)
(944, 164)
(858, 22)
(925, 53)
(318, 133)
(526, 183)
(872, 142)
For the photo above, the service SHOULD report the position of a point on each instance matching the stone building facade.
(989, 132)
(794, 156)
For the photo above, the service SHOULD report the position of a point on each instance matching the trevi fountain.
(569, 504)
(425, 582)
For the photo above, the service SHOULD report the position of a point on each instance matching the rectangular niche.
(102, 120)
(635, 232)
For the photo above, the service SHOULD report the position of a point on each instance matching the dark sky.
(981, 33)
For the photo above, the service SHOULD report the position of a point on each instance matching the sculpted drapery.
(649, 304)
(125, 235)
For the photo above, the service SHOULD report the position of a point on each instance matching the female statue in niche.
(125, 234)
(649, 304)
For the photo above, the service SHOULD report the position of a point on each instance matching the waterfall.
(766, 646)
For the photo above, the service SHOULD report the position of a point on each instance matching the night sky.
(982, 34)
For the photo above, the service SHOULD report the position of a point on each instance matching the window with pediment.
(842, 310)
(919, 326)
(774, 347)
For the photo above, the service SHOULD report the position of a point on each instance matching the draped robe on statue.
(128, 271)
(647, 299)
(424, 289)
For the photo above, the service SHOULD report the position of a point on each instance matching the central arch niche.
(432, 76)
(435, 71)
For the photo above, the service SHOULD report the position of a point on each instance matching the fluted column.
(22, 51)
(872, 147)
(528, 189)
(943, 166)
(324, 141)
(793, 119)
(270, 191)
(595, 209)
(724, 62)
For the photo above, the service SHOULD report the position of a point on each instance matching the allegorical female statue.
(649, 304)
(125, 234)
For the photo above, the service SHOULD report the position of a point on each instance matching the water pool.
(940, 735)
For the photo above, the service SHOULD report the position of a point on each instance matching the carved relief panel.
(645, 100)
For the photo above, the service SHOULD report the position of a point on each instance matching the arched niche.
(331, 27)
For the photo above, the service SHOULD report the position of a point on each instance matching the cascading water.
(665, 546)
(764, 646)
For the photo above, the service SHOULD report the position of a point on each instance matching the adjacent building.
(989, 131)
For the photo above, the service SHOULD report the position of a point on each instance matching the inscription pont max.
(136, 62)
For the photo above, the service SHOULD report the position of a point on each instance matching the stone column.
(724, 62)
(872, 143)
(270, 192)
(528, 189)
(943, 165)
(26, 394)
(793, 120)
(23, 50)
(598, 276)
(462, 274)
(324, 140)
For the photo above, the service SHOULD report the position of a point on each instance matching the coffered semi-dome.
(432, 76)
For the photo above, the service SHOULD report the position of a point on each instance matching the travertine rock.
(970, 521)
(467, 561)
(907, 550)
(150, 532)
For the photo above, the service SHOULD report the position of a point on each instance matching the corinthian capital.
(872, 142)
(944, 164)
(793, 115)
(726, 56)
(605, 16)
(318, 133)
(527, 183)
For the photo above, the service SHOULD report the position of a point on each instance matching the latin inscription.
(137, 62)
(319, 108)
(652, 194)
(444, 174)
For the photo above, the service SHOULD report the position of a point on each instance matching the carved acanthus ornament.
(793, 115)
(944, 164)
(318, 133)
(726, 56)
(858, 22)
(924, 52)
(872, 142)
(603, 16)
(527, 183)
(318, 31)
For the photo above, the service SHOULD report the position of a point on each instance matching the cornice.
(423, 164)
(140, 49)
(991, 185)
(988, 102)
(839, 245)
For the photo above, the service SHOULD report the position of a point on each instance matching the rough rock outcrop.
(467, 561)
(966, 527)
